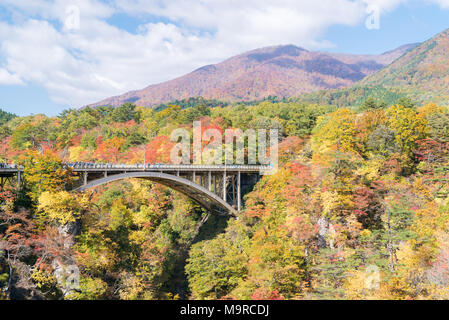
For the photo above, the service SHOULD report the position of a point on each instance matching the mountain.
(422, 73)
(282, 71)
(383, 59)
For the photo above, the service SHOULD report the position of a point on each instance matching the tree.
(372, 104)
(5, 117)
(109, 150)
(17, 241)
(125, 113)
(215, 267)
(44, 172)
(438, 120)
(405, 102)
(337, 130)
(158, 150)
(61, 207)
(31, 132)
(382, 141)
(408, 127)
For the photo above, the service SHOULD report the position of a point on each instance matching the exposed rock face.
(68, 232)
(65, 268)
(326, 232)
(22, 287)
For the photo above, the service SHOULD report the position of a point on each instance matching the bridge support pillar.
(234, 198)
(239, 193)
(224, 185)
(19, 179)
(85, 178)
(209, 181)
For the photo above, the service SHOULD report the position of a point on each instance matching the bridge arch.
(201, 195)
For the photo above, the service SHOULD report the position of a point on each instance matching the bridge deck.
(172, 168)
(94, 167)
(215, 187)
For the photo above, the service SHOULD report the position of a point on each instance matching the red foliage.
(301, 179)
(19, 234)
(439, 273)
(158, 150)
(266, 294)
(301, 229)
(289, 148)
(51, 244)
(367, 205)
(76, 140)
(109, 150)
(430, 150)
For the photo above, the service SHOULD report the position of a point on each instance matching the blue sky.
(55, 55)
(409, 23)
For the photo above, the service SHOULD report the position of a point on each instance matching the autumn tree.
(44, 172)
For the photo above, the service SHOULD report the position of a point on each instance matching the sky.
(61, 54)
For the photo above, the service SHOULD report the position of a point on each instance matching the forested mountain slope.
(282, 71)
(422, 73)
(357, 196)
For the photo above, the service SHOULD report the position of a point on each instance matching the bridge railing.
(106, 166)
(139, 166)
(8, 166)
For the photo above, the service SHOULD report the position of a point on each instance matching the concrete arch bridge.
(217, 188)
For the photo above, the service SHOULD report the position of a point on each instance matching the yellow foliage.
(90, 289)
(337, 129)
(369, 121)
(363, 284)
(407, 125)
(43, 279)
(62, 206)
(430, 108)
(78, 153)
(134, 288)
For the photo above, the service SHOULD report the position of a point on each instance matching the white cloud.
(7, 78)
(442, 3)
(81, 66)
(254, 23)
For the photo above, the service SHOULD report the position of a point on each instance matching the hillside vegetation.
(360, 195)
(283, 71)
(422, 73)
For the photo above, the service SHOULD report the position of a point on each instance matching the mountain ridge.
(283, 71)
(422, 73)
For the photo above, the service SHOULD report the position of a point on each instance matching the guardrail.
(157, 166)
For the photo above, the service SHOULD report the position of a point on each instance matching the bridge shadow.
(211, 228)
(214, 225)
(178, 284)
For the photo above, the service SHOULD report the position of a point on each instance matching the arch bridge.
(217, 188)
